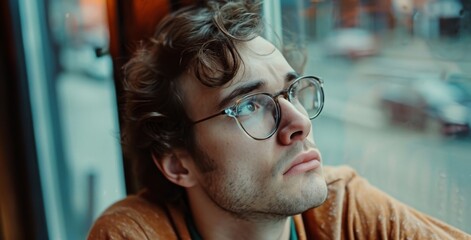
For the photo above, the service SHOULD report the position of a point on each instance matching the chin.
(297, 203)
(310, 197)
(317, 193)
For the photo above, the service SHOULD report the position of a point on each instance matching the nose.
(295, 125)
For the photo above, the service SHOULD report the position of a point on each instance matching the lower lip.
(303, 167)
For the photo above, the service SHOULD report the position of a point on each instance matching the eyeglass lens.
(259, 114)
(307, 95)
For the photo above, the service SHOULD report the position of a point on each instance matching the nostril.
(296, 135)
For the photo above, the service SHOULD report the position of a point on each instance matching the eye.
(248, 107)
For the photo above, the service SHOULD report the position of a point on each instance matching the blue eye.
(247, 107)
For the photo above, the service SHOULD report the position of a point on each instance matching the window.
(74, 111)
(398, 104)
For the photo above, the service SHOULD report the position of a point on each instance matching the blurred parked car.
(417, 101)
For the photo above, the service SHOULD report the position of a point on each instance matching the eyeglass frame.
(229, 111)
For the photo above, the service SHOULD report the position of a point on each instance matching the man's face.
(255, 178)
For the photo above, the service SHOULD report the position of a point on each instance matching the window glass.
(398, 94)
(74, 111)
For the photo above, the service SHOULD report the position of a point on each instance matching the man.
(219, 126)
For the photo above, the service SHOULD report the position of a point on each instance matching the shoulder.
(135, 217)
(339, 173)
(350, 210)
(356, 209)
(350, 191)
(345, 180)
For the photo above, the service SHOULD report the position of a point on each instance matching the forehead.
(261, 61)
(258, 57)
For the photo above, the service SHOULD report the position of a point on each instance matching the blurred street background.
(398, 109)
(419, 165)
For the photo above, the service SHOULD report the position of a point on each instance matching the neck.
(213, 222)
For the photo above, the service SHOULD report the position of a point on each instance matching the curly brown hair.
(200, 40)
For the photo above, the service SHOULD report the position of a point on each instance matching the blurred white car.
(351, 42)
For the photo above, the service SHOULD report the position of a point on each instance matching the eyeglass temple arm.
(212, 116)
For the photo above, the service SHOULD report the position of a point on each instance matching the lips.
(304, 162)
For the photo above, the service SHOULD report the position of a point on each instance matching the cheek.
(233, 150)
(311, 133)
(221, 138)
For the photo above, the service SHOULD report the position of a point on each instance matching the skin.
(246, 193)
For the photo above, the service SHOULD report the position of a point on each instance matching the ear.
(176, 167)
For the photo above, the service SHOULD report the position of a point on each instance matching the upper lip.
(306, 156)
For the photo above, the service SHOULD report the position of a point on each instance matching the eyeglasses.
(259, 114)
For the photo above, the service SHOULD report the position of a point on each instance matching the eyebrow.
(241, 90)
(252, 86)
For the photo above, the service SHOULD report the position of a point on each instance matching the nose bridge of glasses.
(289, 102)
(284, 94)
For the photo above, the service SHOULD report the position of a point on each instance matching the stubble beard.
(238, 196)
